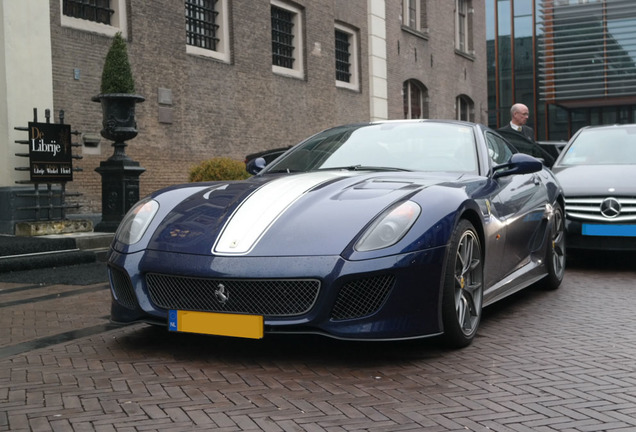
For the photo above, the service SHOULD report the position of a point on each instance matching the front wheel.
(463, 287)
(555, 253)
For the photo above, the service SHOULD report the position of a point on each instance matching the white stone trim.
(378, 69)
(26, 79)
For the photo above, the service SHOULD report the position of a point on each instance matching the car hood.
(316, 213)
(596, 180)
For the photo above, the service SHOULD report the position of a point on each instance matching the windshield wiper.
(363, 168)
(283, 170)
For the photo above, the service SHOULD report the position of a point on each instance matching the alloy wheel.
(468, 282)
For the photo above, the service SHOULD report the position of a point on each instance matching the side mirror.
(256, 165)
(519, 163)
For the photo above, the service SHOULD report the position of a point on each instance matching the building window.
(343, 63)
(201, 26)
(414, 14)
(346, 57)
(415, 97)
(463, 26)
(287, 56)
(282, 37)
(106, 17)
(207, 28)
(92, 10)
(465, 108)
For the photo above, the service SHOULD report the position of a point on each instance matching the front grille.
(122, 288)
(268, 297)
(590, 209)
(362, 297)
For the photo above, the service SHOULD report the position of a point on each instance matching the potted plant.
(118, 98)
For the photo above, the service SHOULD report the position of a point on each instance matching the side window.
(520, 143)
(497, 149)
(525, 146)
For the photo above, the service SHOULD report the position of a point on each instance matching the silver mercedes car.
(597, 170)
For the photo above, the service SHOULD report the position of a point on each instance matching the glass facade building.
(572, 62)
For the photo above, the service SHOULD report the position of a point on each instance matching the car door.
(519, 203)
(521, 143)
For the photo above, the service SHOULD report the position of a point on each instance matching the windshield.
(604, 146)
(410, 146)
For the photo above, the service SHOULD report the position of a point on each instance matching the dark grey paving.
(543, 361)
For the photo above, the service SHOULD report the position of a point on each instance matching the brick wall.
(217, 109)
(221, 109)
(432, 60)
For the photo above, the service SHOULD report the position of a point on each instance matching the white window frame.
(406, 16)
(354, 81)
(298, 71)
(470, 108)
(423, 91)
(119, 21)
(222, 52)
(467, 19)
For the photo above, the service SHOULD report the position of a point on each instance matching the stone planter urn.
(118, 120)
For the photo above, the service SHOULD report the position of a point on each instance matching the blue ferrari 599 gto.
(375, 231)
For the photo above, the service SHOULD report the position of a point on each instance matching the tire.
(555, 251)
(463, 287)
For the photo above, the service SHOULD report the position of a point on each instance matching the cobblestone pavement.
(543, 361)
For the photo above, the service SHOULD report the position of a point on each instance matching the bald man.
(518, 117)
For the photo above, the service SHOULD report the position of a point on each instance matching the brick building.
(231, 77)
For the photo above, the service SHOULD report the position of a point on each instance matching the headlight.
(136, 221)
(390, 227)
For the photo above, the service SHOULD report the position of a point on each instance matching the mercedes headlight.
(136, 221)
(390, 227)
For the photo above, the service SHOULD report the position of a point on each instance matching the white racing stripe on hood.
(259, 211)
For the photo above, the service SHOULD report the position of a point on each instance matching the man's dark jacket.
(526, 131)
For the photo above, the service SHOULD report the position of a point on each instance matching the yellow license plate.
(220, 324)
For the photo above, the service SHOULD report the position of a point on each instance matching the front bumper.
(577, 237)
(395, 297)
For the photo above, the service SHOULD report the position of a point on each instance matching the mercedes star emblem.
(610, 208)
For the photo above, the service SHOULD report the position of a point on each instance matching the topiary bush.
(117, 74)
(218, 168)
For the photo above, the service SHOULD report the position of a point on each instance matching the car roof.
(612, 126)
(451, 121)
